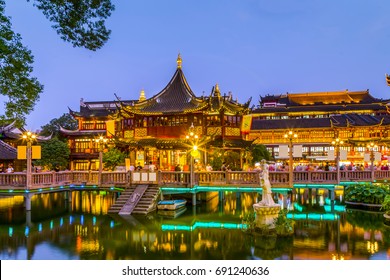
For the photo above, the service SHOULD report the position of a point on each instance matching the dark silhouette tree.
(16, 83)
(54, 153)
(53, 127)
(80, 22)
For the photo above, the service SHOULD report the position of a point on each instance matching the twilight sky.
(248, 47)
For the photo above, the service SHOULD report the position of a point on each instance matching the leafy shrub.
(386, 204)
(367, 193)
(283, 225)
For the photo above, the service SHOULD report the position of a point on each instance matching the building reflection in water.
(83, 229)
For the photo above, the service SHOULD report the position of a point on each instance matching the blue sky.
(250, 48)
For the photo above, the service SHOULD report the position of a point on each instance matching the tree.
(113, 158)
(259, 152)
(80, 22)
(54, 153)
(16, 82)
(53, 127)
(232, 158)
(216, 159)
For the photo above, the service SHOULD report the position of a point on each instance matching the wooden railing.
(17, 180)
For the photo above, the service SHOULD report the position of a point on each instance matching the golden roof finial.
(142, 96)
(216, 90)
(178, 60)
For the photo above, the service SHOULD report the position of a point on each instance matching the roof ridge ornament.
(142, 96)
(179, 61)
(217, 92)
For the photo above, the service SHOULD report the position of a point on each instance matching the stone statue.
(266, 210)
(265, 184)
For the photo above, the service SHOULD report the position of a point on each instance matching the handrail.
(182, 178)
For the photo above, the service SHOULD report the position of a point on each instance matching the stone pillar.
(27, 201)
(28, 219)
(221, 195)
(194, 199)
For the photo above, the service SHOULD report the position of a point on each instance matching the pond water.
(82, 229)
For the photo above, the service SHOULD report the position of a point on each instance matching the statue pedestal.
(266, 214)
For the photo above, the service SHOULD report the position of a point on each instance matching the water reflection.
(77, 226)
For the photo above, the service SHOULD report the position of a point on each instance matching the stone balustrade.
(182, 178)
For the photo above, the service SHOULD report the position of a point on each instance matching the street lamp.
(101, 142)
(290, 136)
(336, 144)
(29, 137)
(371, 147)
(193, 138)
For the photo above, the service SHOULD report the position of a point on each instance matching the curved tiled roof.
(98, 108)
(7, 151)
(78, 132)
(260, 124)
(343, 120)
(176, 97)
(218, 102)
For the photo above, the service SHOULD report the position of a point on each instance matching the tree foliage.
(80, 22)
(113, 157)
(16, 83)
(259, 152)
(232, 158)
(54, 153)
(216, 159)
(53, 127)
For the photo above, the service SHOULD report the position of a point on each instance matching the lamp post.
(336, 144)
(371, 147)
(193, 138)
(290, 135)
(101, 142)
(29, 137)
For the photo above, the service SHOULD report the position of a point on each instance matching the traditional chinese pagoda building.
(154, 130)
(92, 118)
(318, 118)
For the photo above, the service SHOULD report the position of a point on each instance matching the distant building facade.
(318, 118)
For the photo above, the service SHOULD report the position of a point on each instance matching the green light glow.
(313, 216)
(337, 208)
(298, 207)
(59, 188)
(313, 186)
(202, 225)
(197, 189)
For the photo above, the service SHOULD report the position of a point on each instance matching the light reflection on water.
(82, 229)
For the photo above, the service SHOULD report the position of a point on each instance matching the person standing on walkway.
(152, 167)
(10, 169)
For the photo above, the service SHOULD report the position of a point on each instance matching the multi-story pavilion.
(154, 130)
(92, 123)
(318, 118)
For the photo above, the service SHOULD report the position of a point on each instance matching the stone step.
(144, 205)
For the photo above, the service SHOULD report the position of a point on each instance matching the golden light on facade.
(372, 247)
(290, 135)
(101, 142)
(337, 257)
(337, 142)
